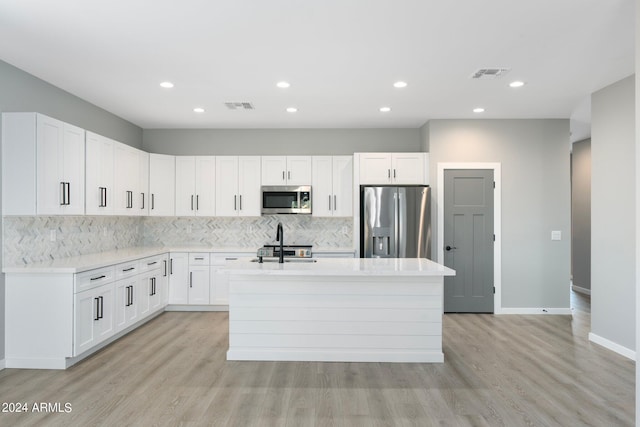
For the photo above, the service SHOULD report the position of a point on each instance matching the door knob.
(448, 248)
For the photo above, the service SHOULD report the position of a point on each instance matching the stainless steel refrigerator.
(395, 222)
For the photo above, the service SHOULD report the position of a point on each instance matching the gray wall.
(534, 157)
(20, 91)
(279, 141)
(613, 215)
(581, 215)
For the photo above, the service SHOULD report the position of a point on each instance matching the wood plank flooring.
(498, 371)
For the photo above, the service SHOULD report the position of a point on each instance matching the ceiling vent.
(489, 73)
(239, 105)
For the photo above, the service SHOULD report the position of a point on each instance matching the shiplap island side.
(355, 310)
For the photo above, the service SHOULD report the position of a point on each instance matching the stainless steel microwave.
(286, 199)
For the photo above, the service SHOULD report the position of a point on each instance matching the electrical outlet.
(52, 235)
(556, 235)
(345, 229)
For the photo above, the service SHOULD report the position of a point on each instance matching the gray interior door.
(468, 240)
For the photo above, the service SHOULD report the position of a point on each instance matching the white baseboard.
(610, 345)
(534, 310)
(179, 307)
(3, 364)
(581, 290)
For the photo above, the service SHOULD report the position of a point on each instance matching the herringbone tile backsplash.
(28, 239)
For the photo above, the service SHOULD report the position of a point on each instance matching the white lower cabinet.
(198, 285)
(219, 278)
(126, 311)
(178, 278)
(94, 321)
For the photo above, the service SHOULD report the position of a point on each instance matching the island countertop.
(342, 267)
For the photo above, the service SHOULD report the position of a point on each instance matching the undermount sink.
(294, 260)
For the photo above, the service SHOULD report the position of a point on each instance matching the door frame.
(497, 220)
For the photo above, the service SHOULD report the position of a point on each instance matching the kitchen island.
(353, 310)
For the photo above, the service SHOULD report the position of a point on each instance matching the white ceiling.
(340, 56)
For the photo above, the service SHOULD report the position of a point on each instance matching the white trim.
(535, 310)
(610, 345)
(497, 221)
(581, 290)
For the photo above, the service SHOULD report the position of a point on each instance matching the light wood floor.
(498, 371)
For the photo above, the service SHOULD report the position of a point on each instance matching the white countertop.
(343, 267)
(78, 264)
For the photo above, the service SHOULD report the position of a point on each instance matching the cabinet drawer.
(94, 278)
(152, 263)
(222, 259)
(127, 269)
(198, 258)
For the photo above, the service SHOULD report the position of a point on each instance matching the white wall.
(534, 157)
(279, 141)
(637, 166)
(613, 214)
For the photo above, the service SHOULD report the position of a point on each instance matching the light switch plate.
(556, 235)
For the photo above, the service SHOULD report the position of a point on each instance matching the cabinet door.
(99, 176)
(199, 284)
(141, 205)
(408, 168)
(126, 178)
(375, 168)
(155, 291)
(105, 327)
(205, 202)
(87, 310)
(342, 177)
(126, 303)
(185, 185)
(321, 184)
(162, 185)
(73, 169)
(274, 170)
(299, 170)
(249, 185)
(145, 294)
(51, 189)
(227, 192)
(218, 286)
(179, 278)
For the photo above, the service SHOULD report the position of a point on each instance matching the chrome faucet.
(280, 238)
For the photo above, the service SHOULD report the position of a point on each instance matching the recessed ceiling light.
(517, 83)
(292, 110)
(166, 85)
(400, 85)
(478, 110)
(198, 110)
(385, 109)
(283, 85)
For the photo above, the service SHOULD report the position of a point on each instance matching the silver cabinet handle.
(283, 175)
(142, 200)
(62, 194)
(192, 202)
(335, 202)
(152, 263)
(98, 278)
(199, 258)
(102, 197)
(394, 173)
(388, 173)
(191, 279)
(329, 201)
(164, 261)
(235, 202)
(153, 201)
(240, 197)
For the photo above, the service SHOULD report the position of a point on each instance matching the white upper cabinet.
(240, 193)
(60, 167)
(126, 199)
(99, 174)
(286, 170)
(332, 185)
(142, 208)
(42, 166)
(195, 185)
(393, 168)
(162, 185)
